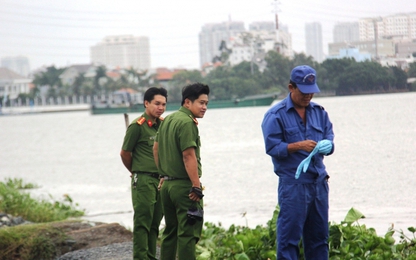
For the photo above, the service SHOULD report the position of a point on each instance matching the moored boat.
(248, 101)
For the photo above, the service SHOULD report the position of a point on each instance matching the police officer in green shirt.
(137, 157)
(177, 154)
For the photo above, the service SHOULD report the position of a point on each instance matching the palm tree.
(100, 76)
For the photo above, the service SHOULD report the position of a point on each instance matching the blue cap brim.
(308, 89)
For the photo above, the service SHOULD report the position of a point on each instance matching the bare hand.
(308, 145)
(160, 183)
(194, 197)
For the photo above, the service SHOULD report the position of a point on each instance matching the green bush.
(30, 242)
(17, 203)
(347, 240)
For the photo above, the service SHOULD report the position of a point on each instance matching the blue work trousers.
(303, 214)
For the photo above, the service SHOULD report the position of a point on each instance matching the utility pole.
(276, 10)
(375, 25)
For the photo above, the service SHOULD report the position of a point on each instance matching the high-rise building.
(212, 35)
(19, 65)
(396, 26)
(314, 44)
(346, 32)
(123, 51)
(262, 26)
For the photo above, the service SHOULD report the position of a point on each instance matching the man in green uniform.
(177, 154)
(137, 157)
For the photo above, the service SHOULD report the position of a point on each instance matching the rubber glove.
(303, 166)
(325, 146)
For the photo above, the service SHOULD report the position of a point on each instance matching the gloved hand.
(303, 166)
(325, 146)
(197, 191)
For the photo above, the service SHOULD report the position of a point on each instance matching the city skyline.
(61, 34)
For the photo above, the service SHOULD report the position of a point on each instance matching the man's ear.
(187, 102)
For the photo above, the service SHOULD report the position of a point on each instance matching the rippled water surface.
(373, 168)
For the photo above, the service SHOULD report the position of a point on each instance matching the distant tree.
(398, 78)
(180, 80)
(330, 70)
(302, 59)
(412, 70)
(224, 54)
(99, 79)
(77, 85)
(49, 78)
(364, 77)
(277, 72)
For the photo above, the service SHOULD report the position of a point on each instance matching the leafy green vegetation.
(27, 242)
(343, 76)
(18, 203)
(347, 240)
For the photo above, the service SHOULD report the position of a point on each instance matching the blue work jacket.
(282, 125)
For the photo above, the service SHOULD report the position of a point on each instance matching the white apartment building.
(13, 84)
(314, 43)
(123, 51)
(212, 35)
(346, 32)
(385, 47)
(284, 41)
(398, 25)
(18, 64)
(249, 45)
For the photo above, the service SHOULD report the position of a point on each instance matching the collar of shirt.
(149, 121)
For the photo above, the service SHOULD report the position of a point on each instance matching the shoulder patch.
(141, 120)
(194, 119)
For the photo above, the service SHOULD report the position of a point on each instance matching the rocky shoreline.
(89, 240)
(7, 220)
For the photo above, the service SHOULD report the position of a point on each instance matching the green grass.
(16, 202)
(347, 240)
(27, 242)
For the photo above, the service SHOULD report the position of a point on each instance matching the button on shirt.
(282, 125)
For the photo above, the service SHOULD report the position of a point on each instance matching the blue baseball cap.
(305, 79)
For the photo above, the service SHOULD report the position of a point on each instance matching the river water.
(373, 168)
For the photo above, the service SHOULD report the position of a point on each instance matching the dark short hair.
(293, 84)
(193, 91)
(150, 93)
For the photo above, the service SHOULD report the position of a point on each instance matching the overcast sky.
(60, 33)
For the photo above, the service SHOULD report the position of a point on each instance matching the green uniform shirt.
(139, 139)
(178, 132)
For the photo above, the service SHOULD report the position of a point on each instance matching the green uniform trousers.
(179, 238)
(147, 216)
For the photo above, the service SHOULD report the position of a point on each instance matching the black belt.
(167, 178)
(151, 174)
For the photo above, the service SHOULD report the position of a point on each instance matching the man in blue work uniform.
(291, 130)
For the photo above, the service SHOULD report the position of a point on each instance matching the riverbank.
(70, 239)
(22, 110)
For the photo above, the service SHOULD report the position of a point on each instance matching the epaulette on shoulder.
(194, 119)
(141, 120)
(317, 105)
(279, 106)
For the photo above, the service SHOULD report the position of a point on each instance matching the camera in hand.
(194, 214)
